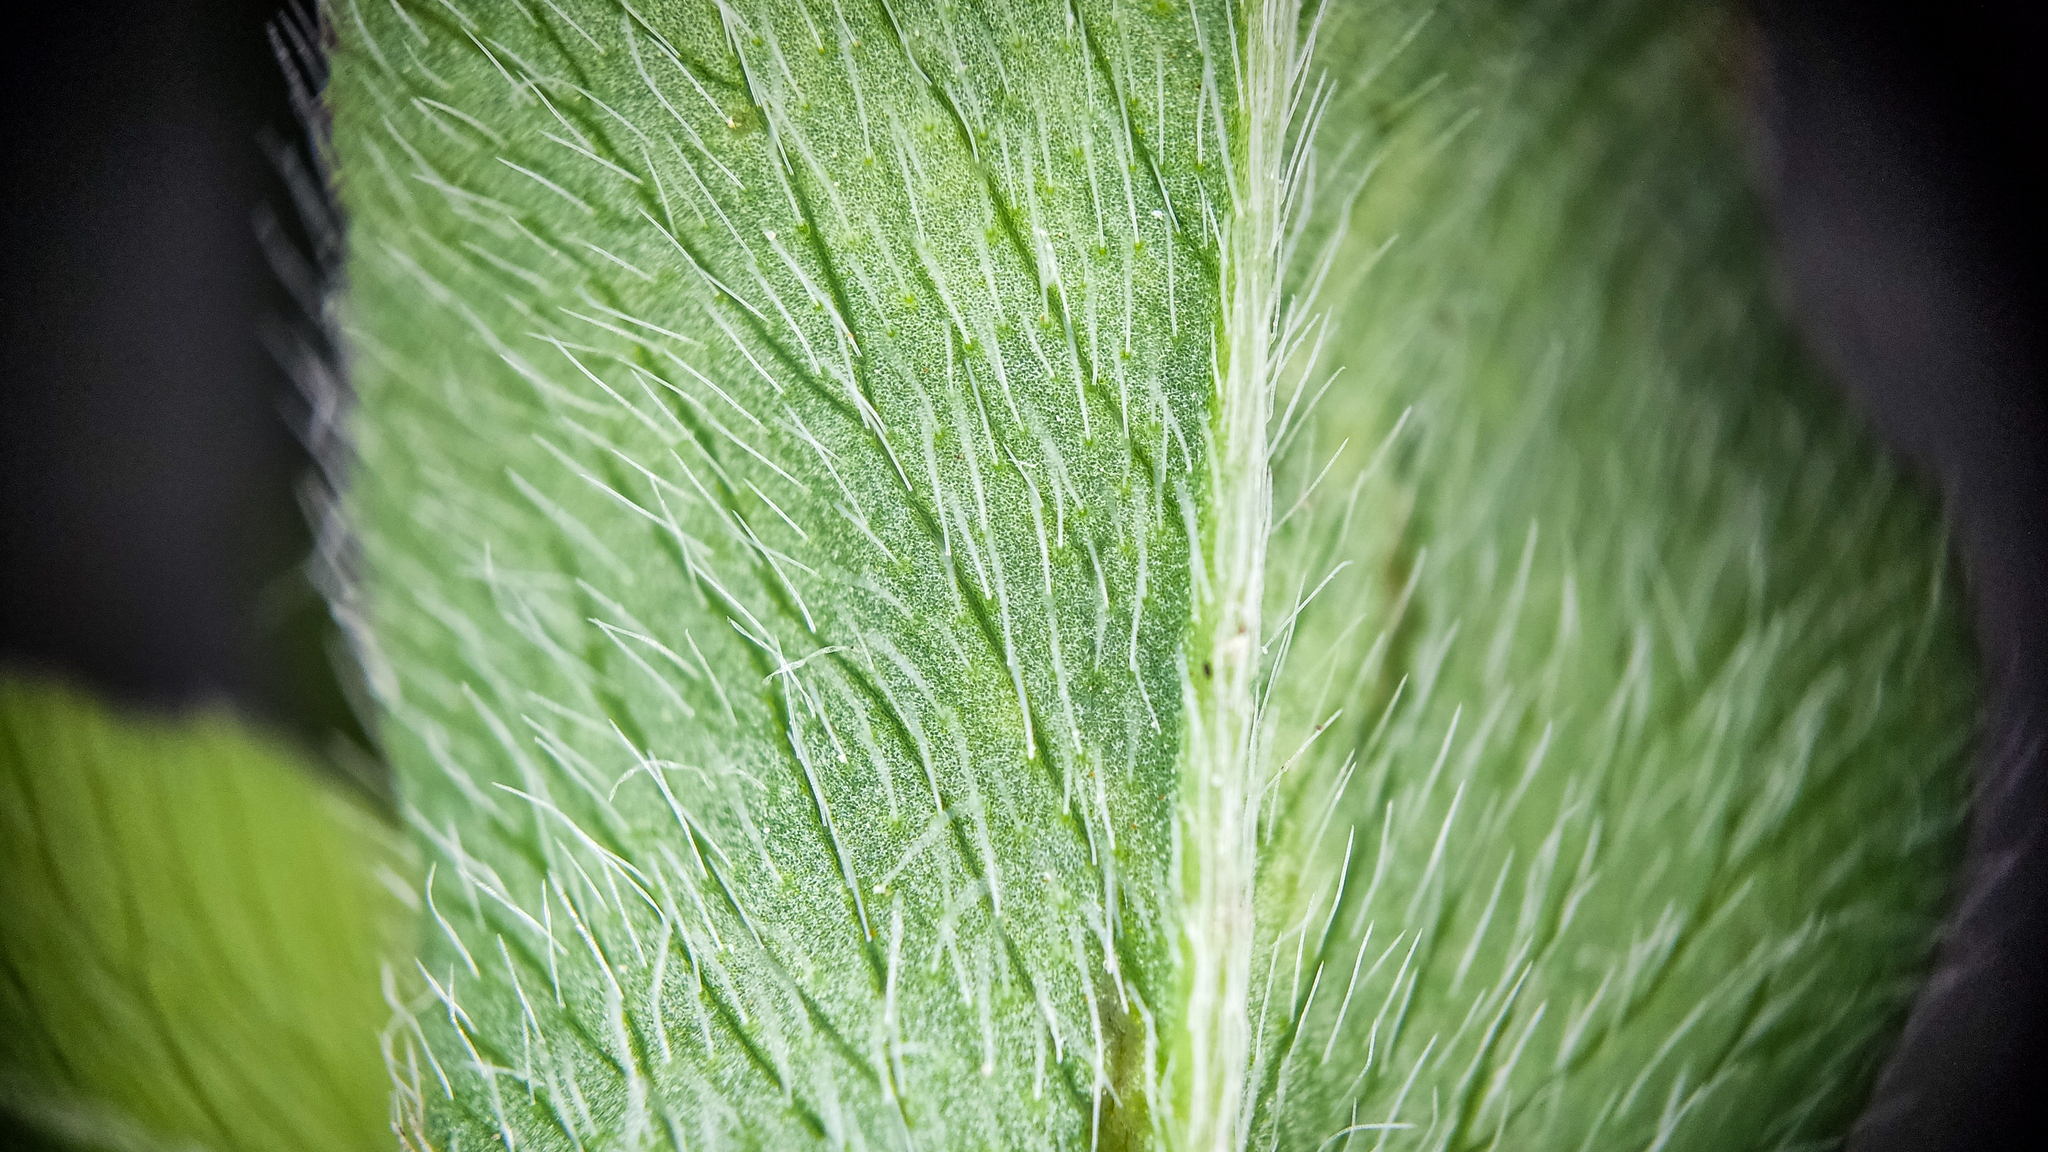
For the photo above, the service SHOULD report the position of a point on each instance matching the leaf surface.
(884, 649)
(195, 929)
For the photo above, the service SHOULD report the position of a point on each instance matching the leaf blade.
(196, 930)
(1599, 750)
(868, 438)
(764, 409)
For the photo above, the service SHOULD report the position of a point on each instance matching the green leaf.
(195, 930)
(884, 648)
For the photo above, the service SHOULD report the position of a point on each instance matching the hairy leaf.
(195, 925)
(1108, 574)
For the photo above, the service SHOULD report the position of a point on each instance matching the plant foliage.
(194, 930)
(1120, 574)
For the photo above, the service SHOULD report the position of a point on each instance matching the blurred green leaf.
(195, 924)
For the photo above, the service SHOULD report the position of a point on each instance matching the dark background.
(1898, 148)
(152, 535)
(150, 524)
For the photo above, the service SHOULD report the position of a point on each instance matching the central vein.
(1220, 790)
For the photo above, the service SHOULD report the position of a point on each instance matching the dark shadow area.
(1898, 146)
(150, 530)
